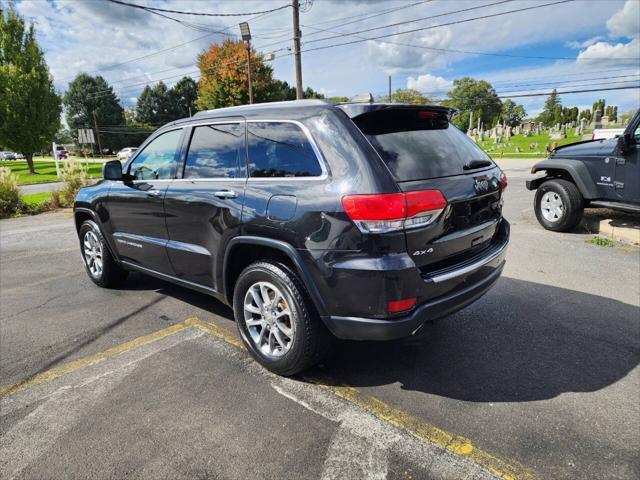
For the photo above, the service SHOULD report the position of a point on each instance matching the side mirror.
(112, 170)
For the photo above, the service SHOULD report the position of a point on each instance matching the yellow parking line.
(429, 433)
(216, 331)
(426, 432)
(422, 430)
(90, 360)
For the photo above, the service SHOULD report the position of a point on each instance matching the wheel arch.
(574, 171)
(243, 250)
(81, 215)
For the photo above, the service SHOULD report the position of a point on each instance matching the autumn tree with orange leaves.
(223, 77)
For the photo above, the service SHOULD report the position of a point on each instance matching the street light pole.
(246, 36)
(248, 42)
(296, 47)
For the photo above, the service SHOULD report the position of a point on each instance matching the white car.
(125, 153)
(605, 133)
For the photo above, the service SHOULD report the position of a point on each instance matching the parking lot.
(538, 379)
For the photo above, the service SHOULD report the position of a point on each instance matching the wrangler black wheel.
(558, 205)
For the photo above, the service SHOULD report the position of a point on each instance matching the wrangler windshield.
(419, 144)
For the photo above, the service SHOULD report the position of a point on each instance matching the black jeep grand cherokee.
(359, 220)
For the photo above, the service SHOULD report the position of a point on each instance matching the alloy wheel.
(268, 318)
(92, 249)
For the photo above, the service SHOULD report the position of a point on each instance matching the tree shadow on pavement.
(523, 341)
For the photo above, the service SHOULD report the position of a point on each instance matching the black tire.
(111, 274)
(572, 205)
(311, 340)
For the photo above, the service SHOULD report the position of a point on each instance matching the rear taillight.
(503, 182)
(388, 212)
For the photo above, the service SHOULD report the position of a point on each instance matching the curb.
(620, 231)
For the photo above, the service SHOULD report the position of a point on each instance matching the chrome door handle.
(225, 194)
(153, 192)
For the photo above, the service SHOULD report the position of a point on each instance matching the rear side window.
(419, 144)
(280, 149)
(215, 151)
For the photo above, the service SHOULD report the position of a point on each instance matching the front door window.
(158, 160)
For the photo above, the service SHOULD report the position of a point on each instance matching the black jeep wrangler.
(311, 219)
(595, 173)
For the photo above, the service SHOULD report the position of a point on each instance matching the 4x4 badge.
(481, 185)
(422, 252)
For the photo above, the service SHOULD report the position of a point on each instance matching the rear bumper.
(479, 277)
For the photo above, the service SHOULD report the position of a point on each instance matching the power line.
(456, 22)
(109, 67)
(384, 36)
(200, 14)
(546, 94)
(430, 17)
(221, 32)
(440, 49)
(367, 16)
(588, 72)
(570, 81)
(580, 85)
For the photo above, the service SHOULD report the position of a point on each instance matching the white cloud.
(623, 23)
(397, 57)
(584, 44)
(626, 22)
(609, 51)
(429, 84)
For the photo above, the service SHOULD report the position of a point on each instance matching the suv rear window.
(418, 144)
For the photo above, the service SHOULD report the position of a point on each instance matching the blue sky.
(592, 44)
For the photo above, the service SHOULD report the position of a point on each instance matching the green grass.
(601, 242)
(36, 199)
(45, 171)
(509, 146)
(49, 158)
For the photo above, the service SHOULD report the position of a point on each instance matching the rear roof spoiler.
(355, 109)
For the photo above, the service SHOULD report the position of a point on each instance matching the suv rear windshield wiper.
(473, 164)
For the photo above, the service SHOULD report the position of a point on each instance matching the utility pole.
(296, 47)
(95, 124)
(246, 36)
(389, 88)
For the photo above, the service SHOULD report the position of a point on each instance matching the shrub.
(74, 174)
(9, 193)
(56, 200)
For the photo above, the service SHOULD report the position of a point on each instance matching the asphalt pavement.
(539, 378)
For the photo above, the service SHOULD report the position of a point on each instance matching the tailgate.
(466, 226)
(423, 151)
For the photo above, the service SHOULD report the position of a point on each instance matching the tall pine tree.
(552, 111)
